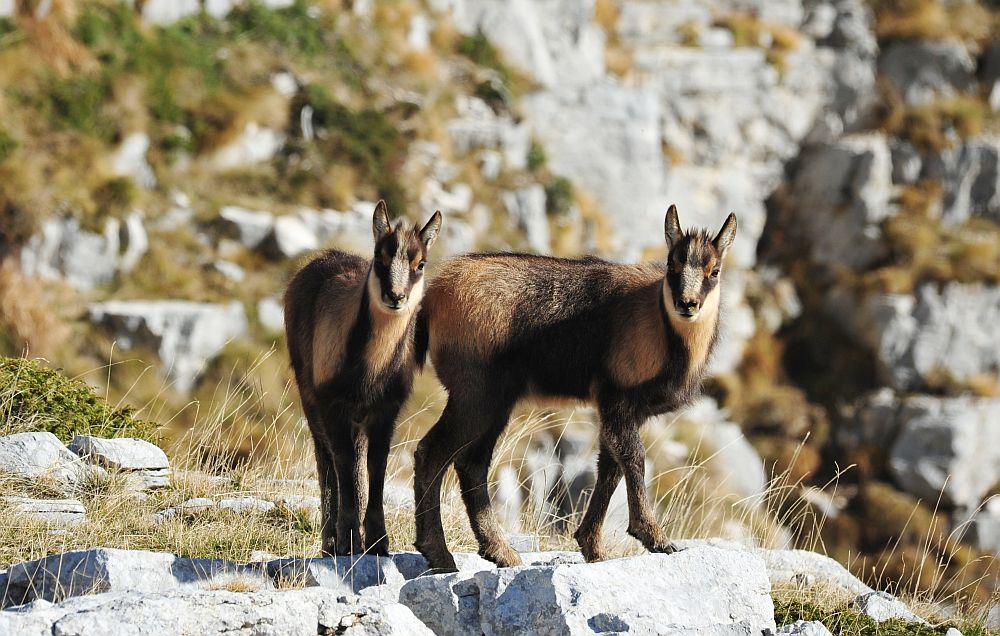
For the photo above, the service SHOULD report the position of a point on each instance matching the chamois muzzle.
(394, 301)
(688, 308)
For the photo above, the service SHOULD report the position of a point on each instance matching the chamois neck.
(698, 335)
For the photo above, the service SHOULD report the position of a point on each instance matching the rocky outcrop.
(941, 332)
(142, 463)
(526, 208)
(185, 335)
(969, 175)
(947, 447)
(65, 251)
(277, 613)
(924, 71)
(707, 590)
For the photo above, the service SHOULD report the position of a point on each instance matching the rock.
(58, 511)
(290, 237)
(925, 70)
(490, 164)
(993, 617)
(249, 227)
(230, 270)
(700, 590)
(418, 37)
(81, 572)
(942, 330)
(947, 448)
(244, 505)
(166, 12)
(7, 8)
(184, 334)
(300, 504)
(994, 98)
(882, 606)
(556, 43)
(134, 241)
(457, 200)
(906, 162)
(805, 628)
(271, 314)
(275, 613)
(983, 529)
(526, 208)
(219, 9)
(735, 464)
(64, 250)
(120, 453)
(969, 174)
(457, 237)
(840, 194)
(285, 84)
(255, 145)
(874, 423)
(39, 454)
(479, 127)
(347, 230)
(805, 568)
(129, 160)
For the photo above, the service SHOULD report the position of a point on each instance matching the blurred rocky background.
(165, 165)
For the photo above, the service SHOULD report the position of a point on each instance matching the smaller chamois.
(633, 340)
(350, 330)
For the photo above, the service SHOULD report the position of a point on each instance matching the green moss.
(558, 196)
(43, 399)
(115, 195)
(847, 622)
(291, 28)
(8, 145)
(536, 156)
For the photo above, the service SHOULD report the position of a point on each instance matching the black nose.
(394, 297)
(688, 306)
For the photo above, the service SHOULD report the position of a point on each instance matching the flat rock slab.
(700, 590)
(39, 454)
(883, 606)
(120, 453)
(62, 511)
(275, 613)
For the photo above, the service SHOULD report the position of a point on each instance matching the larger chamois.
(350, 327)
(631, 339)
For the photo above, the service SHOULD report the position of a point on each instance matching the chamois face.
(396, 281)
(694, 267)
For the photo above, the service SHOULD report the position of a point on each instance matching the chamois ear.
(380, 221)
(724, 240)
(672, 227)
(430, 231)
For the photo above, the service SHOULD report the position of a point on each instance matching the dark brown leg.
(345, 460)
(434, 454)
(472, 466)
(622, 438)
(588, 535)
(379, 440)
(327, 476)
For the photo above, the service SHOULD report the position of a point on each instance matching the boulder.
(526, 208)
(290, 237)
(839, 195)
(947, 448)
(804, 628)
(81, 572)
(941, 330)
(129, 160)
(923, 71)
(249, 227)
(39, 454)
(256, 144)
(64, 250)
(166, 12)
(883, 606)
(186, 335)
(57, 511)
(271, 314)
(700, 590)
(969, 174)
(145, 464)
(275, 613)
(806, 569)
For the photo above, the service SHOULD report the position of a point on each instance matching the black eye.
(420, 267)
(715, 273)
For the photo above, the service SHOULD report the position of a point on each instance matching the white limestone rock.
(924, 70)
(526, 208)
(256, 144)
(883, 606)
(63, 250)
(186, 335)
(39, 454)
(55, 511)
(129, 160)
(249, 227)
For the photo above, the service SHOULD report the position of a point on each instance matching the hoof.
(665, 548)
(438, 561)
(506, 558)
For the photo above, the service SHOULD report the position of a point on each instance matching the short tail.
(421, 339)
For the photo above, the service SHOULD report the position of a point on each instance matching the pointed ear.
(672, 227)
(430, 231)
(380, 221)
(726, 235)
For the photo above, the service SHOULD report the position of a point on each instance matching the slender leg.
(434, 454)
(345, 460)
(622, 437)
(379, 440)
(328, 496)
(472, 466)
(588, 535)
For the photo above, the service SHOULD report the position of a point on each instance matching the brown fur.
(503, 327)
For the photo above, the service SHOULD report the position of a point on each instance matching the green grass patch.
(847, 622)
(558, 196)
(34, 397)
(8, 145)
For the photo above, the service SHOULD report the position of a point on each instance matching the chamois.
(350, 330)
(631, 339)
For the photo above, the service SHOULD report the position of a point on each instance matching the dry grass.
(933, 20)
(31, 319)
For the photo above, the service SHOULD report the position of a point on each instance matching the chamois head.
(396, 280)
(694, 266)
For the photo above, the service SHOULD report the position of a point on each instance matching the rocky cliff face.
(165, 197)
